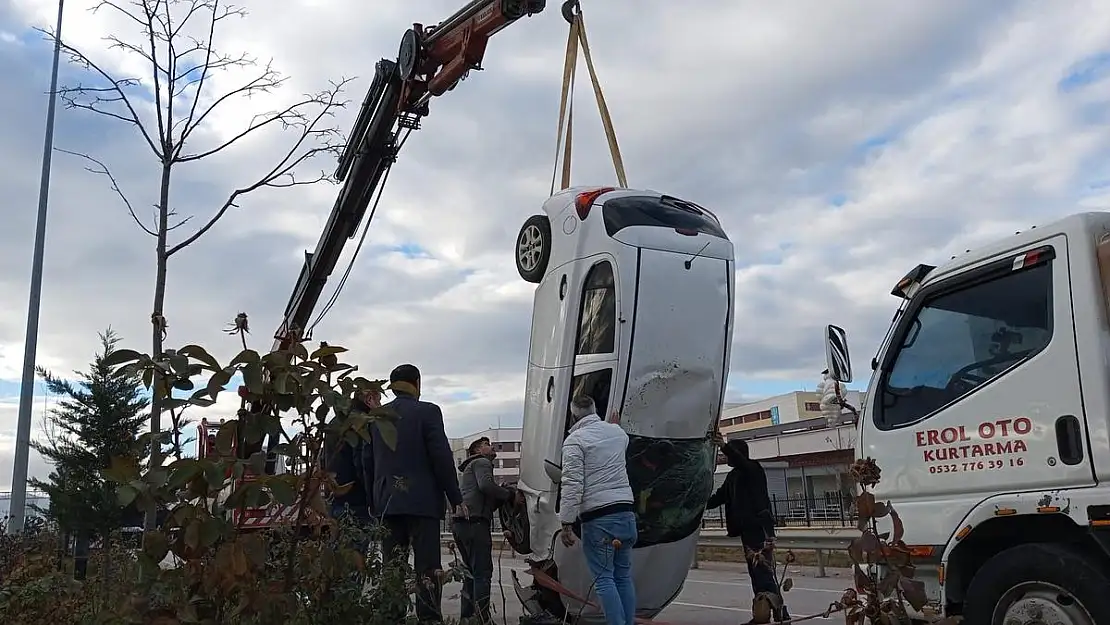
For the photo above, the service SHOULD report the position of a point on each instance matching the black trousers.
(762, 574)
(422, 535)
(474, 540)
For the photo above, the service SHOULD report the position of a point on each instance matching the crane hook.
(571, 10)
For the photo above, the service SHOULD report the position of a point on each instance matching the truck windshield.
(663, 212)
(962, 339)
(671, 483)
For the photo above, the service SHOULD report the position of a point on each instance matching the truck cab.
(988, 411)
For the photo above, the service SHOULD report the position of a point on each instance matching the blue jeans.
(612, 567)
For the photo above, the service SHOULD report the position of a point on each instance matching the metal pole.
(27, 388)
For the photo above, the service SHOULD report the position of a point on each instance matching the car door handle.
(1069, 440)
(550, 387)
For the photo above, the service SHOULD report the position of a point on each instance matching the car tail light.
(585, 201)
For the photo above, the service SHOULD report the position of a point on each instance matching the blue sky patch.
(1087, 71)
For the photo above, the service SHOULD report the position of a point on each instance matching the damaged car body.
(634, 308)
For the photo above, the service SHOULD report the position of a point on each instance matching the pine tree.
(101, 416)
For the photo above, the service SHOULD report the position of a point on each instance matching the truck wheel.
(1038, 583)
(533, 248)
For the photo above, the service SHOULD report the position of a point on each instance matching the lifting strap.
(576, 39)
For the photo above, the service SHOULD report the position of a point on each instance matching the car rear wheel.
(1038, 583)
(533, 248)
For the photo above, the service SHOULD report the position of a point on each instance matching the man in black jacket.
(748, 514)
(482, 496)
(407, 484)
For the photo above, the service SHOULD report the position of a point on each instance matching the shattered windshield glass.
(671, 481)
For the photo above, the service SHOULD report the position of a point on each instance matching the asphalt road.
(715, 594)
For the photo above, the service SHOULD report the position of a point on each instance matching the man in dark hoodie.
(748, 514)
(482, 497)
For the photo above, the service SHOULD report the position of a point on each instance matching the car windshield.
(663, 212)
(671, 482)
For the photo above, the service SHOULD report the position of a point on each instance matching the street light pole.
(27, 388)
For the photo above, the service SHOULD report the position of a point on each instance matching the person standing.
(473, 535)
(596, 493)
(748, 515)
(407, 483)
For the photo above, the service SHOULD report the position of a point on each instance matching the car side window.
(597, 318)
(961, 339)
(595, 384)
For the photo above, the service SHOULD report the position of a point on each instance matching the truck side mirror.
(837, 359)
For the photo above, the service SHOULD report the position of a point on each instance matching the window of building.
(812, 406)
(962, 338)
(597, 320)
(510, 463)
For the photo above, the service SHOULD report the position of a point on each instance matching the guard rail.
(804, 539)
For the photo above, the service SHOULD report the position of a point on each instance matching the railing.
(828, 510)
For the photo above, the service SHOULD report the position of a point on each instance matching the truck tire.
(1056, 580)
(533, 248)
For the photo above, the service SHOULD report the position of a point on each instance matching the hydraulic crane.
(430, 62)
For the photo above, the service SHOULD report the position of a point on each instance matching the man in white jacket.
(596, 493)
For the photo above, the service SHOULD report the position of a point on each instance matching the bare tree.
(174, 41)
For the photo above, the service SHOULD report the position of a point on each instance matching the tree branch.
(327, 140)
(268, 80)
(73, 97)
(104, 171)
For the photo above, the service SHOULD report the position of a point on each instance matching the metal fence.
(827, 510)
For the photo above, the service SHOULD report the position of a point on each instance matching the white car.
(634, 308)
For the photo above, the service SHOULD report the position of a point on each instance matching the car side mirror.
(554, 471)
(837, 359)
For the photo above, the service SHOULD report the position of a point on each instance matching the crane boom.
(430, 62)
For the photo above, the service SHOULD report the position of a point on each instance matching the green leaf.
(198, 399)
(156, 545)
(122, 469)
(182, 471)
(126, 494)
(179, 364)
(192, 534)
(327, 350)
(246, 357)
(196, 352)
(388, 432)
(174, 403)
(211, 530)
(257, 462)
(282, 491)
(225, 437)
(252, 377)
(120, 357)
(148, 378)
(183, 384)
(218, 381)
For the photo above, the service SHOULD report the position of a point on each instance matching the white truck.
(988, 411)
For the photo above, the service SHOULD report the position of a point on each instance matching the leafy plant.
(881, 562)
(203, 564)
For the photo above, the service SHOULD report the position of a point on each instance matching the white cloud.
(841, 144)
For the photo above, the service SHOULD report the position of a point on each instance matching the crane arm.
(430, 62)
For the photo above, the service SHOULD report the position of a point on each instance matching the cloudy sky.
(841, 142)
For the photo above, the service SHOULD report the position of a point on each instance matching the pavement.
(717, 593)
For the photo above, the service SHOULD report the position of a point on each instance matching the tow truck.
(988, 412)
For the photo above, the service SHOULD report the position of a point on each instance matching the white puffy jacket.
(595, 471)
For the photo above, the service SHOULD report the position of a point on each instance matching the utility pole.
(18, 511)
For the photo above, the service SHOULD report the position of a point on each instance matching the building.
(806, 458)
(505, 441)
(785, 408)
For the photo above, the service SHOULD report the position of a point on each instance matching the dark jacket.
(480, 493)
(745, 498)
(346, 463)
(413, 478)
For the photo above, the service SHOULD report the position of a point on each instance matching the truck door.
(981, 374)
